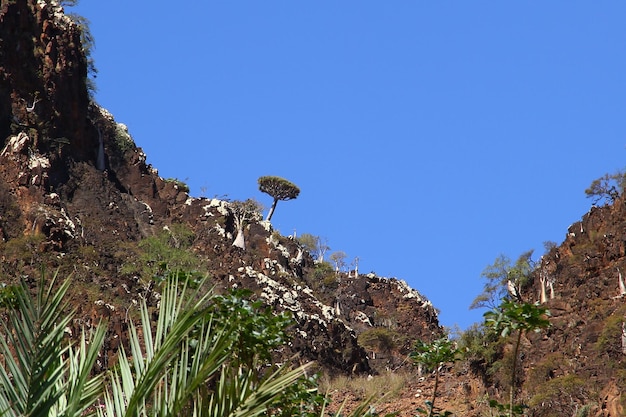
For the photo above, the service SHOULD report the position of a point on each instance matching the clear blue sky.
(427, 137)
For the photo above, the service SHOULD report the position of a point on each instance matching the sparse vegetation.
(88, 43)
(181, 185)
(122, 140)
(205, 355)
(504, 280)
(317, 246)
(381, 339)
(168, 250)
(432, 356)
(279, 188)
(360, 387)
(338, 258)
(513, 317)
(607, 188)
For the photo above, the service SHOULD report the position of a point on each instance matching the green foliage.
(301, 399)
(609, 340)
(9, 295)
(323, 271)
(23, 250)
(330, 280)
(258, 330)
(380, 339)
(522, 317)
(505, 410)
(41, 373)
(315, 245)
(122, 140)
(512, 317)
(279, 188)
(205, 355)
(168, 250)
(478, 344)
(499, 274)
(433, 356)
(88, 43)
(607, 188)
(181, 185)
(553, 392)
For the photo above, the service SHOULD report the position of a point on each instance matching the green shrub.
(380, 339)
(557, 392)
(24, 249)
(122, 140)
(323, 271)
(178, 183)
(8, 295)
(169, 250)
(609, 340)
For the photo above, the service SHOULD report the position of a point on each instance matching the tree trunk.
(514, 373)
(622, 287)
(271, 213)
(432, 403)
(239, 240)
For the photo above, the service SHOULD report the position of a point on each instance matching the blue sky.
(427, 138)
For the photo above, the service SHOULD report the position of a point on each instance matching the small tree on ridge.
(279, 188)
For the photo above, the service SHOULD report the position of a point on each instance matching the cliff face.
(77, 195)
(581, 359)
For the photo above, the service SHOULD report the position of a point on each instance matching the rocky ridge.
(77, 195)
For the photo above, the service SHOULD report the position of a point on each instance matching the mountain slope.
(77, 195)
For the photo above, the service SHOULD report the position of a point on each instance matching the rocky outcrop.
(579, 361)
(77, 195)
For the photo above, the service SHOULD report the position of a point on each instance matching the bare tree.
(339, 259)
(244, 212)
(317, 246)
(279, 188)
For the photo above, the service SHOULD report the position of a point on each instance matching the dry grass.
(358, 388)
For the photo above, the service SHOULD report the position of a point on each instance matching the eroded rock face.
(77, 194)
(42, 79)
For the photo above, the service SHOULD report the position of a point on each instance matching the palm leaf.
(32, 348)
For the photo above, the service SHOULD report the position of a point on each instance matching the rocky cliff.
(77, 196)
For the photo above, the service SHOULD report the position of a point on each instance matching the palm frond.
(33, 349)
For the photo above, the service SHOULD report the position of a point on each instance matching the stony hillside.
(77, 196)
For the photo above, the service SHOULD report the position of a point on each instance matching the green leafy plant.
(511, 317)
(433, 356)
